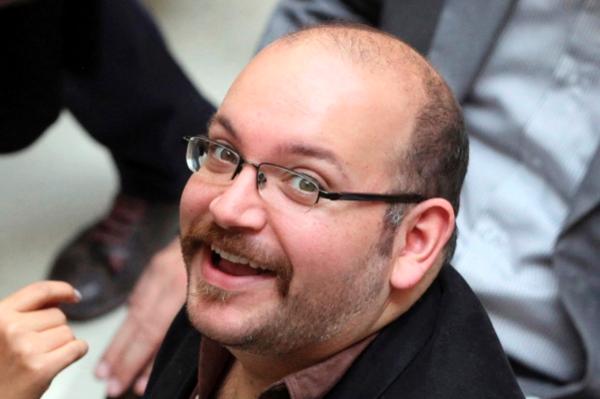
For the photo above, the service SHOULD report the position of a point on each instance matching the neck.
(253, 373)
(250, 375)
(243, 383)
(262, 371)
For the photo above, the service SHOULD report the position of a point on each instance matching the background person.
(107, 63)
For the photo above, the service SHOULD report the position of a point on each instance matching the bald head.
(362, 45)
(374, 51)
(435, 160)
(375, 93)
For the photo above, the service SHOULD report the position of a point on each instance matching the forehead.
(304, 97)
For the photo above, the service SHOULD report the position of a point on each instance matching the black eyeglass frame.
(398, 198)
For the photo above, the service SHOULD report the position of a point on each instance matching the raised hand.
(35, 341)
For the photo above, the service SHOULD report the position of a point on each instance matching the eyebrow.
(224, 122)
(313, 152)
(289, 148)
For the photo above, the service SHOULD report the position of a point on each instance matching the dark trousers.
(107, 63)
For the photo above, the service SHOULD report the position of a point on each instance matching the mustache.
(237, 243)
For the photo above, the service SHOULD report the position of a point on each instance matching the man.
(531, 197)
(316, 229)
(527, 76)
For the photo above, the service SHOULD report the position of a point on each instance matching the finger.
(117, 348)
(41, 294)
(142, 304)
(40, 320)
(142, 381)
(142, 335)
(54, 338)
(62, 357)
(132, 363)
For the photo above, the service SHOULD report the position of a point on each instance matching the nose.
(239, 206)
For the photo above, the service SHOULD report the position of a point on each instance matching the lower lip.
(228, 282)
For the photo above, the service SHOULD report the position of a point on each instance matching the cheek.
(323, 250)
(194, 203)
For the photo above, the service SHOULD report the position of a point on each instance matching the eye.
(303, 184)
(224, 154)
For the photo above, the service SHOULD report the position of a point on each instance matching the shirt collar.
(312, 382)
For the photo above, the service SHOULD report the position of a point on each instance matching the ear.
(421, 239)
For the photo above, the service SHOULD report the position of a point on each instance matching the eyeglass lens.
(217, 163)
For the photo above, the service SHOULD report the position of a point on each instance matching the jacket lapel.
(178, 378)
(588, 195)
(392, 351)
(475, 26)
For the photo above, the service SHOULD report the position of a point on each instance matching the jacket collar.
(474, 25)
(392, 351)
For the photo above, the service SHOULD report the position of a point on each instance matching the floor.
(65, 180)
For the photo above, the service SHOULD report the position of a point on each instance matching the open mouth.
(236, 265)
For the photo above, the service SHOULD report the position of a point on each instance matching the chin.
(219, 321)
(219, 329)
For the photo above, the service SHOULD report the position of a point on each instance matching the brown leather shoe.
(105, 260)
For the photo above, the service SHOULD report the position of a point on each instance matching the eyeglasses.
(218, 163)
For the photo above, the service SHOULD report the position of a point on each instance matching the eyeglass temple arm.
(390, 198)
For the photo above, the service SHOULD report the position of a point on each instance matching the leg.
(133, 98)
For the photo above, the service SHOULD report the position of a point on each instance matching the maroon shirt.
(310, 383)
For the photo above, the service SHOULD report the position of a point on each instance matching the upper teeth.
(235, 258)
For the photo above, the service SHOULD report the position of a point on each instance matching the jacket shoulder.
(176, 364)
(444, 346)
